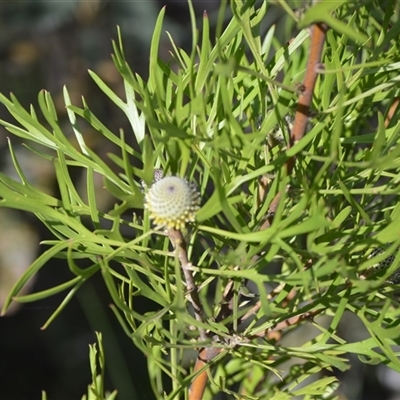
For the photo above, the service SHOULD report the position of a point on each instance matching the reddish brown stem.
(199, 384)
(179, 244)
(318, 34)
(289, 322)
(392, 111)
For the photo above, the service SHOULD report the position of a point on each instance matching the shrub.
(294, 151)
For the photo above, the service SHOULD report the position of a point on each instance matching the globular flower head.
(172, 202)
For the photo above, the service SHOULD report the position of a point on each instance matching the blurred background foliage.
(48, 44)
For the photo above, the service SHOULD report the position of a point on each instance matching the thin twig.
(392, 111)
(226, 303)
(318, 34)
(257, 306)
(179, 243)
(289, 322)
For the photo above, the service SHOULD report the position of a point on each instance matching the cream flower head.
(172, 202)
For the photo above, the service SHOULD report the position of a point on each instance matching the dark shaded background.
(48, 44)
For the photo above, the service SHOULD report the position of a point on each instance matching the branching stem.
(318, 35)
(179, 244)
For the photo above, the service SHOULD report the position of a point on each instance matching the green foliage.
(205, 116)
(97, 362)
(97, 359)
